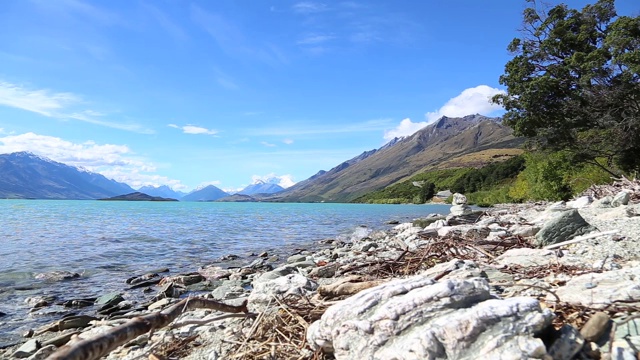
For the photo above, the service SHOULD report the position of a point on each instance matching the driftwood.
(579, 239)
(103, 344)
(347, 286)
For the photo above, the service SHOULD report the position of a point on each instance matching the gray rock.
(264, 290)
(454, 269)
(437, 224)
(326, 271)
(599, 290)
(27, 349)
(524, 230)
(109, 300)
(458, 199)
(286, 270)
(567, 344)
(229, 289)
(597, 324)
(527, 257)
(418, 318)
(565, 226)
(621, 198)
(296, 258)
(55, 276)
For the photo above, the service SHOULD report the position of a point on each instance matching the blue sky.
(187, 93)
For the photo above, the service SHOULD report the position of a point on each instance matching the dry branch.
(103, 344)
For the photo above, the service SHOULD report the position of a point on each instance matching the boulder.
(229, 289)
(419, 318)
(621, 198)
(564, 226)
(296, 258)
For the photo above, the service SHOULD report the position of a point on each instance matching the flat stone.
(526, 257)
(43, 353)
(326, 271)
(61, 339)
(159, 304)
(599, 290)
(459, 210)
(27, 349)
(109, 299)
(296, 258)
(597, 324)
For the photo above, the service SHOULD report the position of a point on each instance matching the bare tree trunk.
(103, 344)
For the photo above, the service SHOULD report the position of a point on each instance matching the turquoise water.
(108, 242)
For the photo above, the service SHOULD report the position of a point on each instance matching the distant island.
(137, 196)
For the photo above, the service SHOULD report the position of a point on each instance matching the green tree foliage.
(574, 84)
(488, 176)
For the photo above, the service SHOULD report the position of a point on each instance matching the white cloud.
(406, 128)
(59, 105)
(307, 7)
(283, 180)
(470, 101)
(116, 162)
(288, 141)
(192, 129)
(267, 144)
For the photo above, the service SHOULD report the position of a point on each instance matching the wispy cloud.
(59, 105)
(196, 130)
(267, 144)
(288, 141)
(474, 100)
(314, 39)
(307, 7)
(114, 161)
(231, 39)
(225, 80)
(470, 101)
(173, 29)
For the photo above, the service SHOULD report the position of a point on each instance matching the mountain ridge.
(24, 175)
(401, 158)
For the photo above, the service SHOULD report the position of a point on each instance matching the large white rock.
(419, 318)
(599, 290)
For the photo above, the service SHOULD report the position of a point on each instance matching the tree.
(574, 84)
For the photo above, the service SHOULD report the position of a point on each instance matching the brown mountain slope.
(446, 139)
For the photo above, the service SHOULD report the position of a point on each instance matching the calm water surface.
(108, 242)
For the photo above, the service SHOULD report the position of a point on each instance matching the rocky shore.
(526, 281)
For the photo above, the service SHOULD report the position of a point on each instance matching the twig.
(579, 239)
(528, 286)
(205, 321)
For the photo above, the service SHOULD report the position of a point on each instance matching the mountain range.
(24, 175)
(472, 140)
(449, 142)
